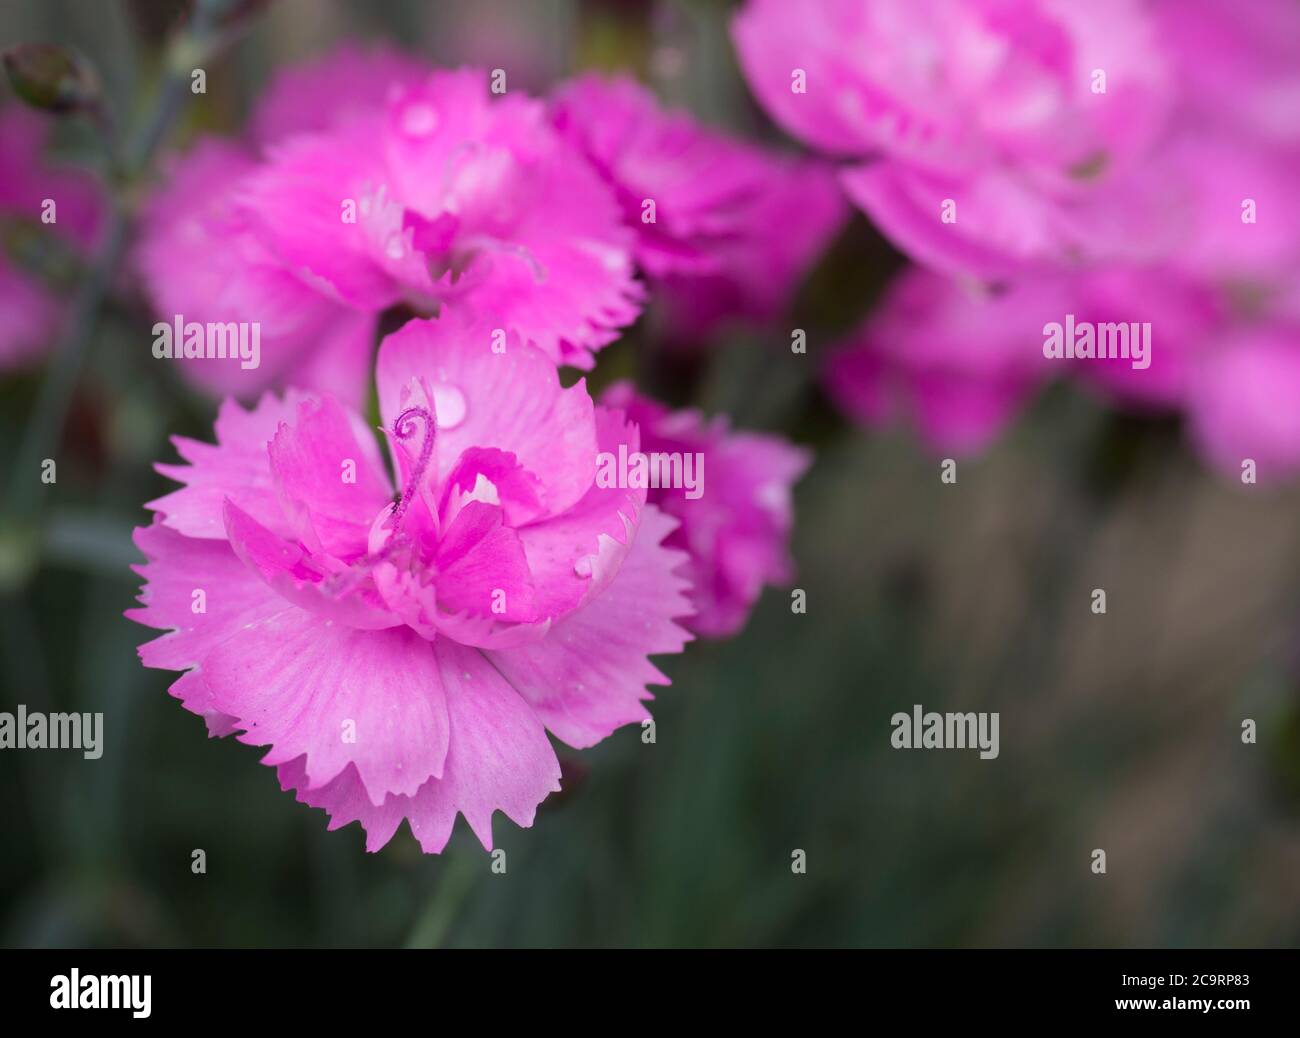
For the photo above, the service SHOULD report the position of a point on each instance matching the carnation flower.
(1120, 162)
(1033, 117)
(1225, 353)
(733, 227)
(405, 658)
(29, 312)
(736, 520)
(200, 260)
(955, 360)
(960, 360)
(367, 185)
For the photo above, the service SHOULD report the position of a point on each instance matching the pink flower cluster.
(403, 646)
(714, 216)
(1121, 160)
(734, 536)
(367, 182)
(405, 659)
(64, 201)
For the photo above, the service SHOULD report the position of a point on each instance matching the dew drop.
(419, 120)
(448, 405)
(583, 566)
(772, 497)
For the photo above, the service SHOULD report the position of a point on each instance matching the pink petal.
(29, 317)
(303, 579)
(737, 530)
(1185, 315)
(565, 280)
(199, 261)
(236, 466)
(27, 179)
(478, 558)
(341, 364)
(304, 686)
(498, 759)
(512, 401)
(574, 555)
(345, 800)
(232, 597)
(701, 181)
(517, 489)
(756, 271)
(773, 40)
(1001, 228)
(312, 460)
(295, 203)
(350, 82)
(1246, 403)
(589, 675)
(959, 360)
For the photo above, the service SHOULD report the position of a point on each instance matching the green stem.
(440, 912)
(197, 43)
(55, 394)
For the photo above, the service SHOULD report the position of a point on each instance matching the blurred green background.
(1119, 731)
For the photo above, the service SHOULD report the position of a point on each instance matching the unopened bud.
(51, 77)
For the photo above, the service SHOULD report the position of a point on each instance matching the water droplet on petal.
(419, 120)
(772, 497)
(448, 405)
(583, 566)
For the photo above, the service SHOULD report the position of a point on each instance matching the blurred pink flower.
(989, 105)
(377, 185)
(958, 361)
(29, 317)
(1237, 66)
(735, 526)
(200, 259)
(1245, 402)
(405, 660)
(787, 229)
(29, 311)
(1227, 354)
(986, 147)
(733, 227)
(349, 83)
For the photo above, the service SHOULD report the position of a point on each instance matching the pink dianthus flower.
(29, 310)
(367, 183)
(724, 228)
(735, 519)
(405, 659)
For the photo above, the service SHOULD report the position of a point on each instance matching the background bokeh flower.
(29, 307)
(1092, 148)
